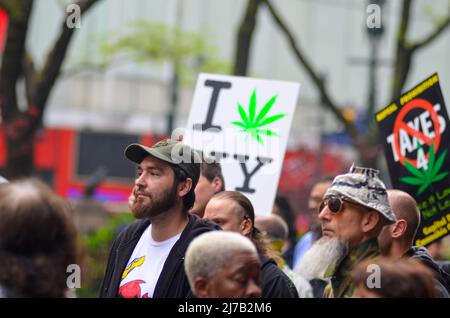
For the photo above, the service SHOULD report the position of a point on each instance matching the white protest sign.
(244, 123)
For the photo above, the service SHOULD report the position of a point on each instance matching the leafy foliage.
(158, 43)
(96, 247)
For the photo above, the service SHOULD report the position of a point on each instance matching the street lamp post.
(374, 33)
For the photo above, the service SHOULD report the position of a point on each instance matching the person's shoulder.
(133, 229)
(269, 268)
(422, 255)
(196, 226)
(199, 225)
(419, 251)
(274, 282)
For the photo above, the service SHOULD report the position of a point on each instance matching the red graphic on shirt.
(132, 290)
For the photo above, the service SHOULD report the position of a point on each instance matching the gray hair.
(211, 251)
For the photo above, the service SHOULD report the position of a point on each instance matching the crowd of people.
(191, 238)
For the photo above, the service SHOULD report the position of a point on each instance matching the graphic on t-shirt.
(145, 265)
(135, 263)
(132, 290)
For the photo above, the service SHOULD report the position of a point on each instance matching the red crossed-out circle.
(400, 124)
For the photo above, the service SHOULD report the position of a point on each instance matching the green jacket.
(341, 284)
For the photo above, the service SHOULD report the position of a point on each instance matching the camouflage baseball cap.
(363, 186)
(171, 151)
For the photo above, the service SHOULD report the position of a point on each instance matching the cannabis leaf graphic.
(424, 178)
(253, 123)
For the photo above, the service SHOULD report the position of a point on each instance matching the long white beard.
(322, 254)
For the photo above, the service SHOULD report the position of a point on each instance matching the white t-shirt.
(145, 265)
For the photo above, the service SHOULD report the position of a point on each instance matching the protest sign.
(244, 123)
(414, 133)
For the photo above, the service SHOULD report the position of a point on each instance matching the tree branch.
(403, 52)
(433, 35)
(404, 22)
(244, 39)
(54, 60)
(19, 13)
(317, 80)
(29, 73)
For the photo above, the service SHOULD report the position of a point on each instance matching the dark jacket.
(421, 254)
(172, 283)
(445, 267)
(274, 282)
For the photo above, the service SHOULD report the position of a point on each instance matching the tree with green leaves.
(189, 54)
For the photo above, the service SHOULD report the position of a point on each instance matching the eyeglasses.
(334, 204)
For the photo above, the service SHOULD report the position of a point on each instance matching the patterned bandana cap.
(363, 186)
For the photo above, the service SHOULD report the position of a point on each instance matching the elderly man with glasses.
(353, 212)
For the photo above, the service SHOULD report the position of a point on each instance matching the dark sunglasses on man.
(334, 203)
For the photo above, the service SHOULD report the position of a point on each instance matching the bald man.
(397, 240)
(273, 225)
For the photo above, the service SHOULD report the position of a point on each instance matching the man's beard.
(323, 253)
(156, 206)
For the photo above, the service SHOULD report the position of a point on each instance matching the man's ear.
(399, 228)
(217, 184)
(246, 227)
(201, 287)
(185, 187)
(370, 220)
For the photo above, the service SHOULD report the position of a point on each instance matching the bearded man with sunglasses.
(353, 212)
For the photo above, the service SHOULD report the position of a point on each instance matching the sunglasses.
(334, 204)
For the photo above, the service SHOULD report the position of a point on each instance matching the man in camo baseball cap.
(171, 151)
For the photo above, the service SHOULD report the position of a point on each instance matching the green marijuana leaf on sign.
(424, 178)
(254, 124)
